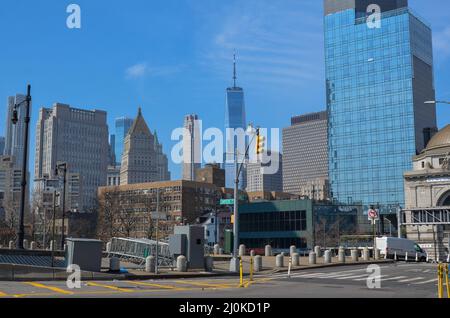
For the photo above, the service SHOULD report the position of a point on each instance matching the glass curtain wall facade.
(377, 81)
(234, 119)
(123, 125)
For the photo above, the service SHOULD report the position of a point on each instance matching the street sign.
(373, 215)
(227, 202)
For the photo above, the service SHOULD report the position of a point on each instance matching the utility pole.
(53, 230)
(157, 232)
(21, 231)
(63, 167)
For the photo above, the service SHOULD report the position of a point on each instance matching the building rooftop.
(441, 139)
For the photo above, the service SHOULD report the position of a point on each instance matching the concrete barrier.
(150, 264)
(377, 254)
(312, 258)
(355, 256)
(209, 264)
(181, 264)
(341, 256)
(295, 259)
(292, 250)
(114, 264)
(366, 254)
(268, 250)
(279, 262)
(242, 250)
(327, 257)
(317, 251)
(257, 265)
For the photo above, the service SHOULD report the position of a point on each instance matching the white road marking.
(410, 279)
(426, 282)
(396, 278)
(355, 276)
(367, 276)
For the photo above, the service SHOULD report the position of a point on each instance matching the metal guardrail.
(137, 250)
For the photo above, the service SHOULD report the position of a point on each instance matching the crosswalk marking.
(354, 276)
(394, 278)
(367, 276)
(426, 282)
(55, 289)
(410, 279)
(110, 287)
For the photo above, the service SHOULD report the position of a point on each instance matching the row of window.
(273, 221)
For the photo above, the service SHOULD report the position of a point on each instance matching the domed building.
(427, 197)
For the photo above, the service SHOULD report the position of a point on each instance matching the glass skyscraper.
(377, 81)
(123, 125)
(234, 118)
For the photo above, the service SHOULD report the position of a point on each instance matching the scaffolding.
(137, 250)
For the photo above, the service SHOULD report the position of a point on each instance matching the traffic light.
(260, 143)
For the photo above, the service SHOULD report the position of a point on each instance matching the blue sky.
(174, 57)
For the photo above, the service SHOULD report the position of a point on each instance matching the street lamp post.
(15, 119)
(63, 167)
(435, 102)
(234, 266)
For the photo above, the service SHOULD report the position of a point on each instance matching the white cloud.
(136, 71)
(275, 43)
(142, 70)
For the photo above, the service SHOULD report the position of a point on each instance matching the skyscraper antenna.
(234, 69)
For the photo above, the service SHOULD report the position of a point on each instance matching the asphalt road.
(412, 280)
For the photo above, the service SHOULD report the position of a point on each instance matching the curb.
(122, 277)
(281, 270)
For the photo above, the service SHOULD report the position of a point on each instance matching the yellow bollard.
(446, 280)
(241, 273)
(440, 281)
(251, 268)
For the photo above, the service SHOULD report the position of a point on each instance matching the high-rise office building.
(143, 159)
(305, 154)
(235, 118)
(192, 142)
(260, 181)
(79, 138)
(123, 125)
(2, 145)
(15, 133)
(112, 151)
(378, 76)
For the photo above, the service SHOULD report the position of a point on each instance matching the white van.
(392, 246)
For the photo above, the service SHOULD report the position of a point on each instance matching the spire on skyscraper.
(234, 70)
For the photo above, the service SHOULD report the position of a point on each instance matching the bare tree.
(108, 211)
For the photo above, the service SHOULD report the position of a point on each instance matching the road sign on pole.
(373, 215)
(227, 202)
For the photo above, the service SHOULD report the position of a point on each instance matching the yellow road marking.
(3, 294)
(110, 287)
(55, 289)
(154, 285)
(112, 292)
(186, 282)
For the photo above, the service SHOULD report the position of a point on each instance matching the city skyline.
(152, 86)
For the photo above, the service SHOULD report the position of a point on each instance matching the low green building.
(277, 223)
